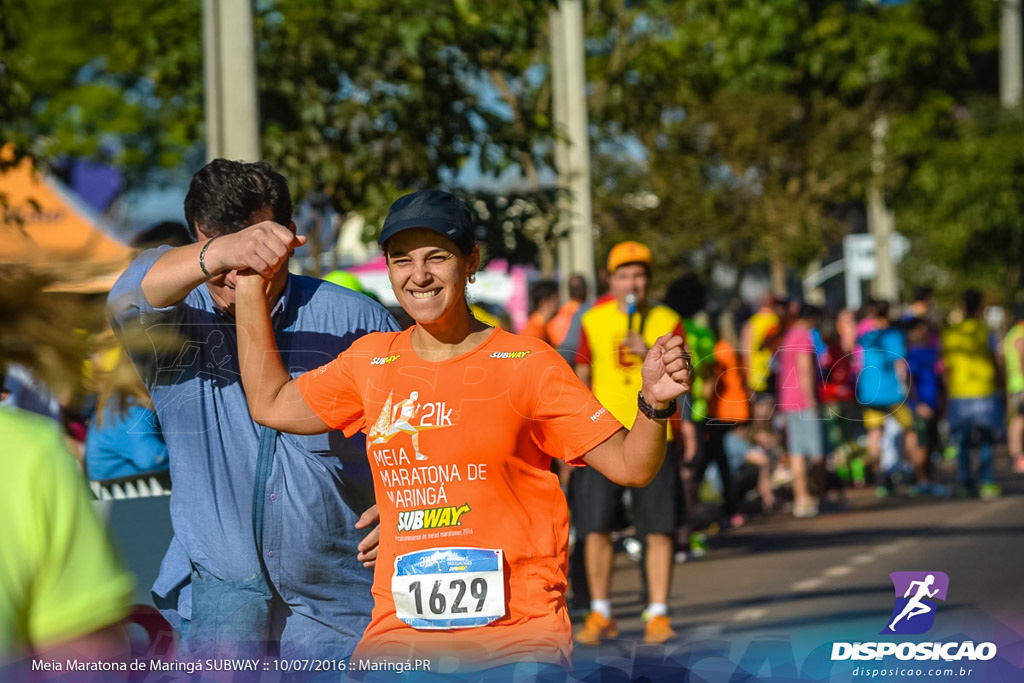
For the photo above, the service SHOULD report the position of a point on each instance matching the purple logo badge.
(914, 612)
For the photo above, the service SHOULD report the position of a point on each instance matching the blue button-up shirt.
(318, 485)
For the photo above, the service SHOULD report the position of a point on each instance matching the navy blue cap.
(436, 210)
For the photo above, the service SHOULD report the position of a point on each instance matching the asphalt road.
(771, 598)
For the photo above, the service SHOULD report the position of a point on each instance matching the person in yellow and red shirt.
(618, 334)
(471, 569)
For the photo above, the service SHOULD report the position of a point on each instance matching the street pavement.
(777, 592)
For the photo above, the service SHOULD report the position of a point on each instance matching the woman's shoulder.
(377, 341)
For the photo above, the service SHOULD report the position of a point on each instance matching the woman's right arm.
(273, 396)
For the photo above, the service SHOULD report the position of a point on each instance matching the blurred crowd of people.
(793, 404)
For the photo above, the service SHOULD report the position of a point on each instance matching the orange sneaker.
(658, 630)
(596, 629)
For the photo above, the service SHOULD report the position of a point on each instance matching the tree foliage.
(721, 130)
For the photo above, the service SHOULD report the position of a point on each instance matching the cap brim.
(440, 227)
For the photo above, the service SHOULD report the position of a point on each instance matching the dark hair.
(542, 290)
(224, 196)
(915, 323)
(881, 309)
(167, 232)
(809, 311)
(972, 302)
(686, 295)
(922, 292)
(578, 287)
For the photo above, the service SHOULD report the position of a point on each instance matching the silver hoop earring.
(472, 278)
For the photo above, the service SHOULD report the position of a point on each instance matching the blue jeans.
(230, 619)
(970, 417)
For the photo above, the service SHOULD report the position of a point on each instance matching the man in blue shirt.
(266, 558)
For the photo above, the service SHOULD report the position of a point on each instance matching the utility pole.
(880, 219)
(229, 74)
(1011, 83)
(572, 152)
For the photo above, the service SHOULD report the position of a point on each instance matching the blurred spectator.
(687, 296)
(22, 389)
(882, 394)
(544, 304)
(798, 402)
(751, 464)
(756, 344)
(924, 360)
(840, 413)
(559, 326)
(124, 438)
(1013, 361)
(973, 413)
(616, 337)
(62, 592)
(728, 409)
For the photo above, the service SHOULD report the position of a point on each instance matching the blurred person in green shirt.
(62, 591)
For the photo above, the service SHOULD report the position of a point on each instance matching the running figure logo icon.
(914, 612)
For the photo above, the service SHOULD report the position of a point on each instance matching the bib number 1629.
(439, 599)
(449, 588)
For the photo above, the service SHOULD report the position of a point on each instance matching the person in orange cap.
(617, 334)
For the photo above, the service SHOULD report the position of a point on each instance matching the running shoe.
(658, 630)
(596, 629)
(634, 548)
(990, 491)
(682, 556)
(698, 545)
(928, 489)
(805, 510)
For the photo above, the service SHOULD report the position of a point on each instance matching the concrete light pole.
(229, 74)
(884, 285)
(572, 152)
(1011, 83)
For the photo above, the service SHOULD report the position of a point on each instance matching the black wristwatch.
(650, 411)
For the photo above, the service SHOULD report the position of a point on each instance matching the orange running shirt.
(730, 397)
(461, 453)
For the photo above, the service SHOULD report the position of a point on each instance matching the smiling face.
(428, 275)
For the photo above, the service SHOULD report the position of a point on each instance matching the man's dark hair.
(224, 196)
(972, 302)
(687, 295)
(542, 290)
(922, 292)
(578, 288)
(881, 308)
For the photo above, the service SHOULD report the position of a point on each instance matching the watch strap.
(651, 412)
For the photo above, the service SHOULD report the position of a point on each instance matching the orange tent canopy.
(46, 227)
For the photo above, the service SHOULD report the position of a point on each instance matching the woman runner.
(472, 566)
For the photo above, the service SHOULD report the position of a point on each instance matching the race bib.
(449, 587)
